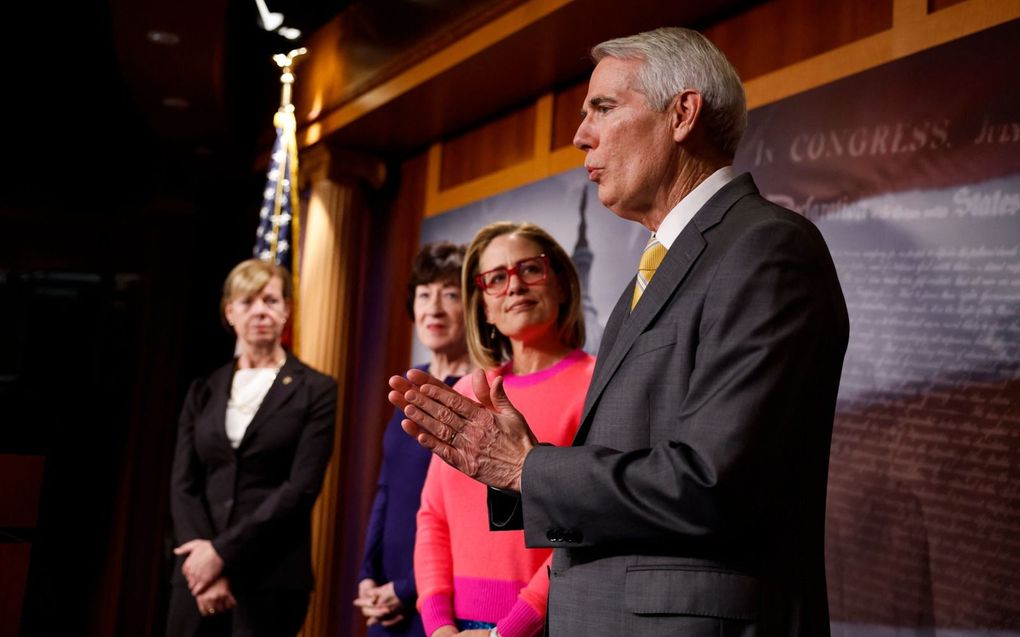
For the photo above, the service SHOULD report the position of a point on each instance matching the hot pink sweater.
(462, 569)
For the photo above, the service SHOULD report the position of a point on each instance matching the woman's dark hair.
(436, 262)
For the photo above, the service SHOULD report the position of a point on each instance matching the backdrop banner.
(912, 172)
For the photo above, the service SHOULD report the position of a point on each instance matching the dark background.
(120, 217)
(113, 245)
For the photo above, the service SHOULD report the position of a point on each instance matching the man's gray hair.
(676, 59)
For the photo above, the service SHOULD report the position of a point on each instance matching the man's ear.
(686, 111)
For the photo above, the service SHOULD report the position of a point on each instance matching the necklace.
(250, 387)
(276, 364)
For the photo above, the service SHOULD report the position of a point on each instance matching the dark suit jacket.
(255, 502)
(693, 501)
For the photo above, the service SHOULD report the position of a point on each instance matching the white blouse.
(249, 388)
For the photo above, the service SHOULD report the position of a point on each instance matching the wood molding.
(496, 31)
(907, 11)
(909, 35)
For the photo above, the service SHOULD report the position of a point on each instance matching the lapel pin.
(287, 380)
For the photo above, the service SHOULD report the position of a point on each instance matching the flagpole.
(286, 120)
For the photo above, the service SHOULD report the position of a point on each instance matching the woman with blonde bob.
(253, 442)
(524, 323)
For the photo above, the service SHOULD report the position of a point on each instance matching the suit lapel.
(291, 375)
(216, 409)
(667, 279)
(619, 315)
(622, 330)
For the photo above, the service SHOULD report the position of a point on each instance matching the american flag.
(277, 238)
(278, 217)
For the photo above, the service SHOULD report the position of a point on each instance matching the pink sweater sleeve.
(527, 617)
(433, 563)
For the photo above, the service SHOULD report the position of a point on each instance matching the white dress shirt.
(249, 388)
(683, 212)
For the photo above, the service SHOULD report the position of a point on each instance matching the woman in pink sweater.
(524, 323)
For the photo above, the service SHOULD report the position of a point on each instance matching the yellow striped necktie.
(653, 255)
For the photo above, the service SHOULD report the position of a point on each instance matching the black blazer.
(693, 499)
(254, 502)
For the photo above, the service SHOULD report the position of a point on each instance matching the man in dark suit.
(693, 499)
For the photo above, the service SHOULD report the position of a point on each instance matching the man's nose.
(583, 136)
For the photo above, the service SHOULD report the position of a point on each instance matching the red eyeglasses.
(531, 271)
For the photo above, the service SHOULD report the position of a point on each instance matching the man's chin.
(607, 199)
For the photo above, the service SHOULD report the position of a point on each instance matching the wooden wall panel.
(501, 143)
(778, 33)
(938, 5)
(913, 30)
(567, 105)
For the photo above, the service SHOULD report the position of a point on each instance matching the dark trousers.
(278, 613)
